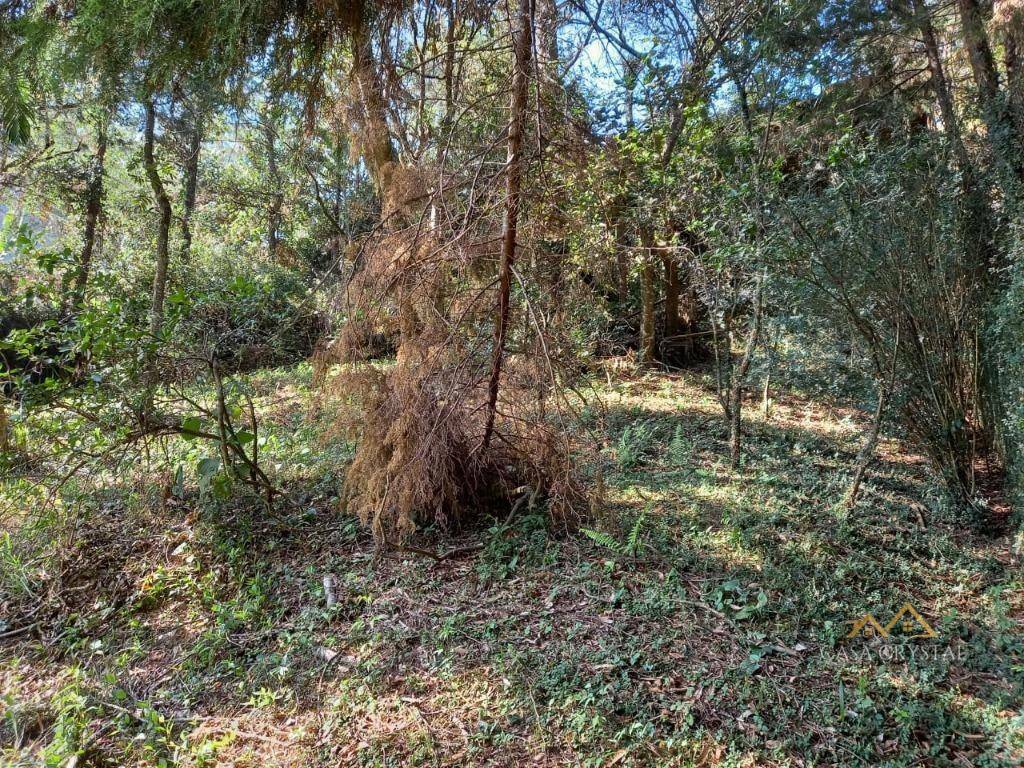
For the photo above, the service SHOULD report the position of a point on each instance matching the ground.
(700, 618)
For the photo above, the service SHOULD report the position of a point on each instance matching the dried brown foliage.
(419, 422)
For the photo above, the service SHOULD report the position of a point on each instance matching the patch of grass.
(705, 625)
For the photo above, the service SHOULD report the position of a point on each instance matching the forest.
(396, 383)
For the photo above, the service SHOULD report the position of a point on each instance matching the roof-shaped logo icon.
(909, 623)
(867, 626)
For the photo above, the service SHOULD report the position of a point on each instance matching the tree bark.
(449, 68)
(979, 52)
(1001, 138)
(671, 297)
(1004, 144)
(940, 84)
(163, 203)
(522, 49)
(276, 197)
(976, 215)
(191, 187)
(739, 376)
(93, 209)
(867, 451)
(744, 99)
(377, 149)
(1013, 49)
(648, 299)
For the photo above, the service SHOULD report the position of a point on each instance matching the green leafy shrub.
(248, 321)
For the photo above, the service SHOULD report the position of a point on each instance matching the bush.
(248, 321)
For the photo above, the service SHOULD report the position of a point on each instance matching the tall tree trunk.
(671, 297)
(550, 92)
(1001, 135)
(276, 196)
(547, 34)
(191, 187)
(739, 377)
(648, 297)
(163, 202)
(522, 50)
(976, 218)
(377, 149)
(940, 84)
(867, 451)
(449, 68)
(979, 52)
(93, 209)
(1012, 30)
(1004, 145)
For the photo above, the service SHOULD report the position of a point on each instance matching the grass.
(703, 623)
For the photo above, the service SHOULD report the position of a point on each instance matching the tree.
(163, 205)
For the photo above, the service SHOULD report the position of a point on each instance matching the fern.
(604, 539)
(633, 540)
(635, 444)
(15, 110)
(679, 449)
(630, 547)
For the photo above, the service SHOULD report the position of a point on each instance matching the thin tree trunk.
(93, 209)
(618, 225)
(547, 35)
(336, 240)
(735, 423)
(648, 299)
(450, 50)
(722, 343)
(648, 349)
(867, 451)
(671, 296)
(1013, 49)
(744, 99)
(513, 181)
(191, 188)
(621, 273)
(975, 216)
(276, 197)
(1001, 134)
(5, 427)
(694, 327)
(1004, 146)
(739, 376)
(377, 149)
(156, 311)
(940, 84)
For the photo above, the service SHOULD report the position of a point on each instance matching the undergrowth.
(701, 619)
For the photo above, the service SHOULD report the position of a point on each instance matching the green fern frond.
(15, 111)
(633, 540)
(602, 538)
